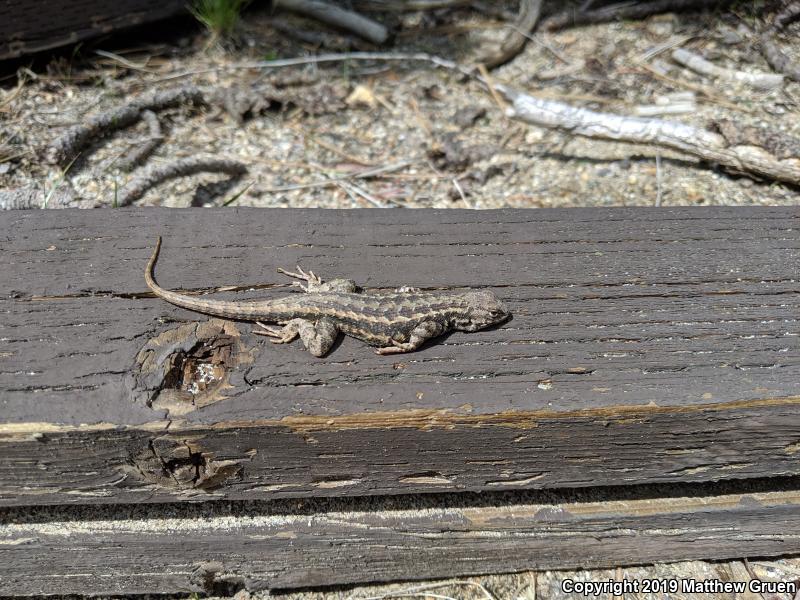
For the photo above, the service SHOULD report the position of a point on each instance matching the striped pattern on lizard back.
(398, 321)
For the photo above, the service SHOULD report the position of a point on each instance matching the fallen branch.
(338, 17)
(625, 10)
(31, 196)
(697, 142)
(529, 11)
(695, 62)
(776, 143)
(777, 59)
(789, 14)
(156, 174)
(68, 146)
(769, 47)
(146, 147)
(701, 143)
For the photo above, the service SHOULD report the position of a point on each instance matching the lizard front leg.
(317, 336)
(419, 335)
(315, 284)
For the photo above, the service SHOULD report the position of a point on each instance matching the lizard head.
(483, 310)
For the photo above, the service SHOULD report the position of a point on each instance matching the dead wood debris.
(789, 14)
(146, 147)
(776, 58)
(769, 46)
(529, 11)
(338, 17)
(64, 149)
(450, 154)
(319, 39)
(776, 143)
(624, 10)
(32, 196)
(702, 143)
(156, 174)
(243, 102)
(695, 62)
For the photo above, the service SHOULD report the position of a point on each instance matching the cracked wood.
(644, 347)
(257, 546)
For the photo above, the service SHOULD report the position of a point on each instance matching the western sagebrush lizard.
(399, 321)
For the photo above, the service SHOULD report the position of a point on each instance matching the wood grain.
(261, 545)
(29, 26)
(645, 346)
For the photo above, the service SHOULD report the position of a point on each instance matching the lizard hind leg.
(419, 335)
(317, 336)
(342, 286)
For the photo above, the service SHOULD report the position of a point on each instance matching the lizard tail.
(218, 308)
(148, 271)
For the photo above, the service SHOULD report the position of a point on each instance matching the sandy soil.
(442, 140)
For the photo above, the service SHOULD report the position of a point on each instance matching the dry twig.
(777, 59)
(529, 11)
(701, 143)
(790, 13)
(769, 47)
(338, 17)
(156, 174)
(146, 147)
(624, 10)
(31, 196)
(66, 148)
(697, 142)
(695, 62)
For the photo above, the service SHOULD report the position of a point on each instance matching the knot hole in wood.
(188, 367)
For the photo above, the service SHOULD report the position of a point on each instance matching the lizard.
(395, 322)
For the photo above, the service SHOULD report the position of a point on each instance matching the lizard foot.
(313, 280)
(282, 335)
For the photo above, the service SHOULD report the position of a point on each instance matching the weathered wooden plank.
(28, 26)
(645, 346)
(267, 545)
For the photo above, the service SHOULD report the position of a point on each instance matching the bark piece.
(625, 10)
(695, 62)
(66, 147)
(777, 59)
(157, 174)
(146, 147)
(338, 17)
(529, 11)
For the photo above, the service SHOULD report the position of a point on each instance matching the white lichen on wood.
(695, 141)
(698, 64)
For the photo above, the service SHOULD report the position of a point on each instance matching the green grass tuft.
(219, 16)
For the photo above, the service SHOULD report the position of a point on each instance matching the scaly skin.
(396, 322)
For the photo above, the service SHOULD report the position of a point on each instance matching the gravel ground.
(443, 141)
(440, 141)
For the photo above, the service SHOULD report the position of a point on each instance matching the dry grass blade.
(219, 16)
